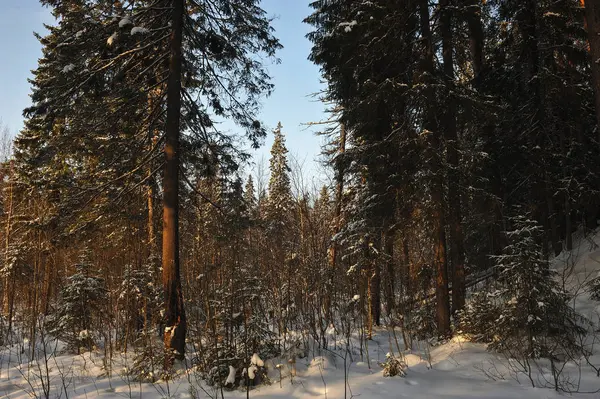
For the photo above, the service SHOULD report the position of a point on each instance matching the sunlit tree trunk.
(437, 194)
(175, 321)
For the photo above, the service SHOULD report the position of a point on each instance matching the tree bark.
(375, 292)
(332, 253)
(175, 321)
(452, 158)
(388, 253)
(8, 290)
(476, 38)
(437, 194)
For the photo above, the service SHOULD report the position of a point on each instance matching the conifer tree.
(79, 312)
(104, 63)
(531, 300)
(279, 206)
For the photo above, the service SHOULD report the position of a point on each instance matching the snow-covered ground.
(455, 369)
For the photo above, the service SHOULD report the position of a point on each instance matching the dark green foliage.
(78, 314)
(527, 313)
(479, 316)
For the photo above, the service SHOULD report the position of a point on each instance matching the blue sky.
(295, 78)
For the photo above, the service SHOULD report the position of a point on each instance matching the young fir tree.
(278, 218)
(279, 206)
(79, 313)
(528, 314)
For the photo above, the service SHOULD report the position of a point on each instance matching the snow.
(111, 39)
(231, 376)
(252, 372)
(139, 30)
(348, 25)
(124, 22)
(68, 68)
(457, 369)
(257, 361)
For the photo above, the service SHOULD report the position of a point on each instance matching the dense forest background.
(463, 139)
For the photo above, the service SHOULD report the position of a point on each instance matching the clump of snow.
(551, 14)
(348, 25)
(68, 68)
(111, 39)
(83, 335)
(139, 30)
(257, 361)
(124, 22)
(252, 371)
(231, 376)
(79, 34)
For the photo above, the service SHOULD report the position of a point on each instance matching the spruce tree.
(534, 316)
(103, 65)
(79, 312)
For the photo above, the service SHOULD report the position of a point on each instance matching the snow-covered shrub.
(148, 359)
(80, 309)
(256, 372)
(478, 317)
(215, 367)
(422, 323)
(420, 320)
(393, 366)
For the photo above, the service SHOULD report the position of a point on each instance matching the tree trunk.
(452, 158)
(8, 290)
(337, 217)
(592, 17)
(375, 292)
(437, 195)
(175, 322)
(476, 38)
(388, 253)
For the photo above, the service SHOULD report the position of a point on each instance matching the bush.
(393, 366)
(478, 317)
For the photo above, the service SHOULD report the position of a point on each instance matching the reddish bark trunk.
(175, 321)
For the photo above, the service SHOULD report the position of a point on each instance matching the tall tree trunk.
(452, 158)
(437, 194)
(150, 182)
(592, 17)
(8, 290)
(175, 322)
(388, 253)
(476, 38)
(337, 217)
(375, 285)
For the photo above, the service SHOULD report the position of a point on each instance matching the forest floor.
(455, 369)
